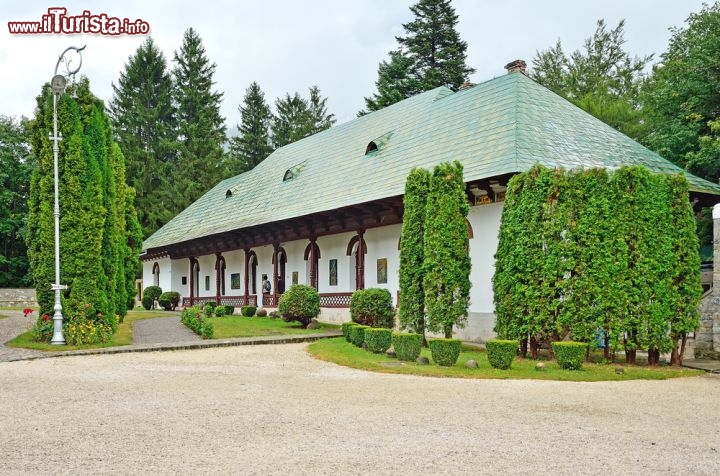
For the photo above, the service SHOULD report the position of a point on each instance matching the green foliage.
(372, 307)
(411, 312)
(253, 144)
(378, 340)
(430, 54)
(680, 100)
(446, 258)
(407, 346)
(248, 311)
(356, 334)
(229, 310)
(145, 123)
(147, 302)
(197, 322)
(602, 79)
(153, 292)
(445, 352)
(581, 251)
(201, 128)
(299, 303)
(296, 117)
(501, 353)
(220, 311)
(209, 308)
(169, 300)
(569, 355)
(17, 164)
(346, 329)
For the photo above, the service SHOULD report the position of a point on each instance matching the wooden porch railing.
(236, 301)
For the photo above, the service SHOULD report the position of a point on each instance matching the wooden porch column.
(217, 277)
(361, 260)
(192, 280)
(276, 248)
(313, 263)
(247, 275)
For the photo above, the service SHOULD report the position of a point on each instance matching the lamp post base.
(58, 336)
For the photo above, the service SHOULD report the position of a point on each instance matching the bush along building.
(327, 210)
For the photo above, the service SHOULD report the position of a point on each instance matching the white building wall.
(207, 272)
(180, 269)
(382, 243)
(265, 266)
(295, 262)
(335, 247)
(165, 273)
(234, 264)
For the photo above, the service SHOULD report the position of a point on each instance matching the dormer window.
(288, 175)
(378, 144)
(228, 193)
(371, 147)
(294, 171)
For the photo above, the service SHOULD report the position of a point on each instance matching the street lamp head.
(58, 84)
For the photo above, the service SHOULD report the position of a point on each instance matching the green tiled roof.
(502, 126)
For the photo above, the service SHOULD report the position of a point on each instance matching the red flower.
(46, 317)
(27, 311)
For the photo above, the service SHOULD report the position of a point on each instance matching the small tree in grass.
(299, 303)
(412, 294)
(446, 259)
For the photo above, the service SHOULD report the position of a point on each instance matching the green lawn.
(339, 351)
(240, 326)
(123, 336)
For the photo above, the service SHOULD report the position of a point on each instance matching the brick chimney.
(516, 66)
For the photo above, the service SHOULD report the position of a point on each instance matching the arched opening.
(356, 250)
(371, 147)
(253, 263)
(196, 276)
(312, 257)
(220, 267)
(288, 175)
(156, 274)
(281, 261)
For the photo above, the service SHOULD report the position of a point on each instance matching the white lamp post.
(58, 84)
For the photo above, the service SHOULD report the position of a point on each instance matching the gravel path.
(12, 326)
(162, 330)
(275, 410)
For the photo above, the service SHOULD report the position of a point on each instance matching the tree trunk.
(653, 357)
(523, 348)
(534, 348)
(606, 350)
(630, 356)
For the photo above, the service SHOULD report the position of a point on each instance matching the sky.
(290, 45)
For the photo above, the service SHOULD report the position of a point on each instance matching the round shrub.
(219, 311)
(147, 302)
(346, 329)
(299, 303)
(209, 309)
(153, 292)
(500, 353)
(248, 311)
(372, 307)
(407, 346)
(229, 310)
(445, 352)
(169, 300)
(356, 334)
(378, 340)
(569, 355)
(262, 312)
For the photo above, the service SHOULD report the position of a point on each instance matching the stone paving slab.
(161, 330)
(11, 327)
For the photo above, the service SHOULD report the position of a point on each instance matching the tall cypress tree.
(412, 294)
(431, 54)
(144, 120)
(446, 254)
(253, 144)
(201, 128)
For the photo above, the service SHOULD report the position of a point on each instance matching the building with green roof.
(327, 210)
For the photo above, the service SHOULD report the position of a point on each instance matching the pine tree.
(144, 119)
(430, 54)
(602, 78)
(201, 128)
(253, 144)
(446, 254)
(412, 294)
(318, 110)
(16, 166)
(292, 120)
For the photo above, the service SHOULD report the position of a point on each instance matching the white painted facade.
(382, 244)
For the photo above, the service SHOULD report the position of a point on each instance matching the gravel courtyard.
(276, 410)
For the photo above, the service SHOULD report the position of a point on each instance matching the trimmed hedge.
(500, 353)
(407, 346)
(356, 334)
(445, 352)
(378, 340)
(569, 355)
(223, 310)
(194, 319)
(150, 294)
(248, 311)
(372, 307)
(209, 309)
(346, 329)
(169, 300)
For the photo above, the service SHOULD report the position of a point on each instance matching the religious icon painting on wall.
(294, 277)
(333, 272)
(382, 271)
(235, 281)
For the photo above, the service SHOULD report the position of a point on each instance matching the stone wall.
(707, 337)
(17, 297)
